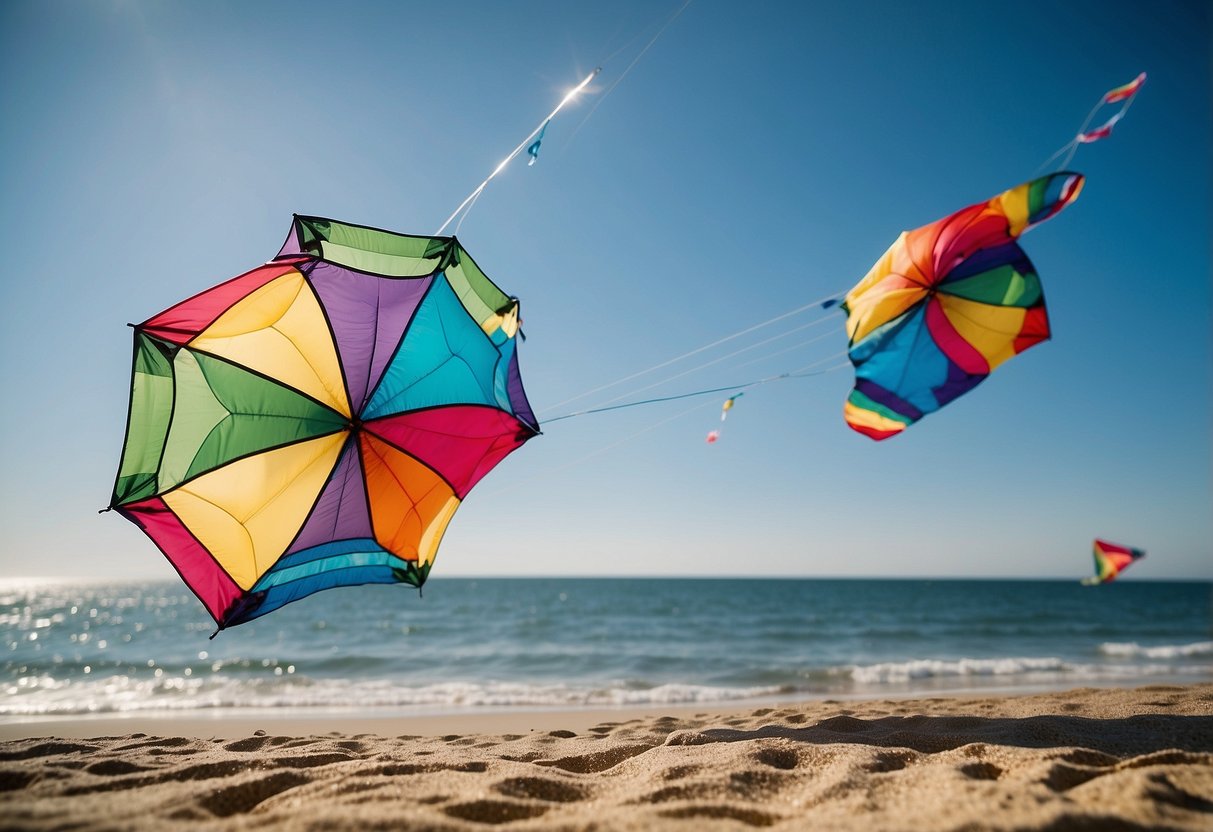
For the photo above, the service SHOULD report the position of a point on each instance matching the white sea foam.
(1023, 668)
(124, 694)
(1163, 651)
(935, 668)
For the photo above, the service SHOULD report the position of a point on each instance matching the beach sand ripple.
(1087, 759)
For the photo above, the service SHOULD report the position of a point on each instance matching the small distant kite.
(945, 305)
(1123, 95)
(714, 435)
(317, 421)
(1110, 560)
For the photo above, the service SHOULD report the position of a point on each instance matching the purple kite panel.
(341, 513)
(368, 315)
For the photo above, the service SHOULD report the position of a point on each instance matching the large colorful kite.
(317, 421)
(945, 305)
(1110, 560)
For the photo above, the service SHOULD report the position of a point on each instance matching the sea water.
(118, 648)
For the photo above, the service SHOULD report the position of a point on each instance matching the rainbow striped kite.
(317, 421)
(1110, 560)
(945, 305)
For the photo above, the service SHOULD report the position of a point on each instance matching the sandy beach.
(1085, 759)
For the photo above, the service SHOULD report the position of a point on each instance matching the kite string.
(1116, 117)
(820, 302)
(1073, 144)
(1077, 140)
(622, 441)
(466, 206)
(796, 346)
(475, 195)
(727, 356)
(802, 372)
(630, 66)
(639, 34)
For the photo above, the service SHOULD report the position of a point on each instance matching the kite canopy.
(1110, 560)
(317, 421)
(945, 305)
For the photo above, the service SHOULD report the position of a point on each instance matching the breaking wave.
(121, 694)
(1163, 651)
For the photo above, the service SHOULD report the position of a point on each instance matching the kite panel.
(197, 567)
(368, 316)
(341, 512)
(410, 504)
(461, 443)
(151, 408)
(247, 513)
(279, 330)
(182, 322)
(445, 358)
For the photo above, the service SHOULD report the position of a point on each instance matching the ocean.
(73, 649)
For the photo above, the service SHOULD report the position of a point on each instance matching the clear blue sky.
(759, 156)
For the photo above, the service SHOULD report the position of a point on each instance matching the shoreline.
(226, 725)
(1088, 758)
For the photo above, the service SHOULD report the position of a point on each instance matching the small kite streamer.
(1125, 92)
(1120, 94)
(533, 150)
(714, 435)
(1123, 95)
(1096, 135)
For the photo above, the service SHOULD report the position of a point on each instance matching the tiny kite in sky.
(945, 305)
(714, 435)
(317, 421)
(1124, 96)
(1110, 560)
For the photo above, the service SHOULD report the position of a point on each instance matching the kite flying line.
(738, 389)
(803, 372)
(533, 139)
(527, 144)
(630, 66)
(597, 451)
(606, 405)
(820, 303)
